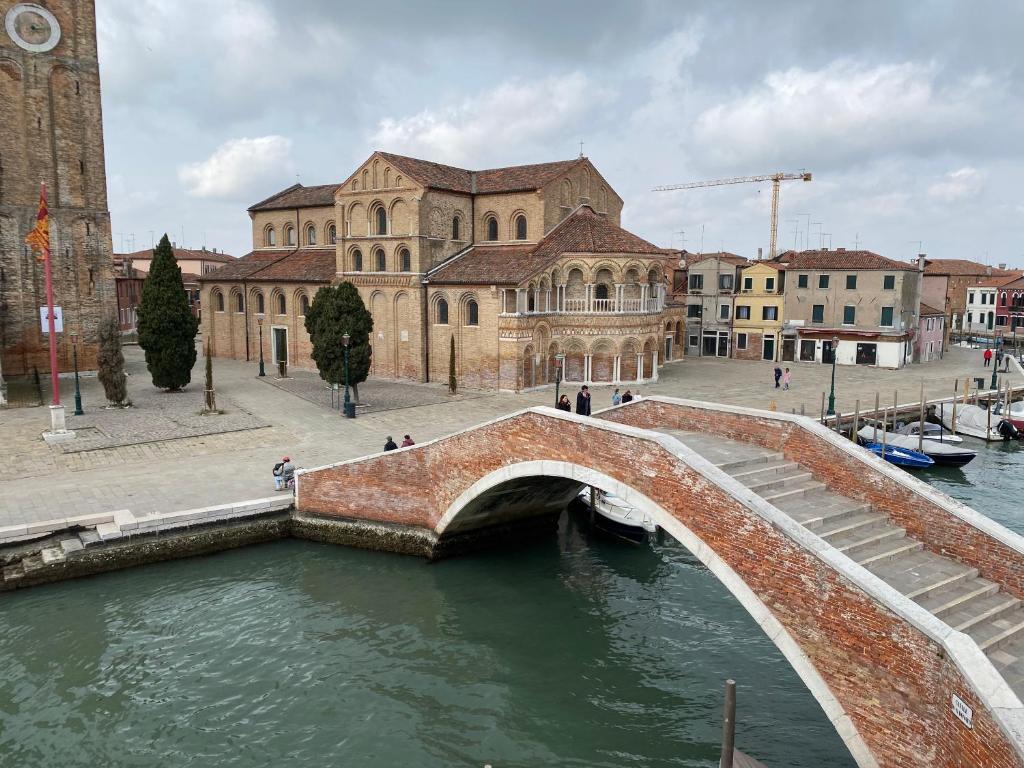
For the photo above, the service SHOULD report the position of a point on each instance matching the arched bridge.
(899, 608)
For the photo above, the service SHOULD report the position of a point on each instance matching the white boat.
(931, 432)
(616, 516)
(939, 452)
(970, 420)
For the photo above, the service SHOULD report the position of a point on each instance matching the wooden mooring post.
(920, 423)
(856, 420)
(874, 435)
(729, 725)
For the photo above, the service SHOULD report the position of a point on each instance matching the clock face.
(32, 27)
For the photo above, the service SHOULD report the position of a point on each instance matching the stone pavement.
(164, 475)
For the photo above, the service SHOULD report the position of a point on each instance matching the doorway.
(807, 349)
(867, 354)
(768, 348)
(723, 344)
(789, 349)
(826, 352)
(279, 349)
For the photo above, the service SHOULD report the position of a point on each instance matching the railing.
(575, 305)
(603, 305)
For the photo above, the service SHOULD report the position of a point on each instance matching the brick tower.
(52, 132)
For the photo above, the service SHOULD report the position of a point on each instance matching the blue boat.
(901, 457)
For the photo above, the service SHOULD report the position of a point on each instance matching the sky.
(909, 115)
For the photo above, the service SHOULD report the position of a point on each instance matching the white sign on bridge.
(963, 712)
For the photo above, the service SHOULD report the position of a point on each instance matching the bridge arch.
(479, 499)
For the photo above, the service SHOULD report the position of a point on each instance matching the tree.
(452, 383)
(167, 328)
(210, 395)
(110, 361)
(335, 311)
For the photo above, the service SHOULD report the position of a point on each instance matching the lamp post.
(259, 322)
(78, 391)
(558, 374)
(995, 365)
(832, 393)
(350, 407)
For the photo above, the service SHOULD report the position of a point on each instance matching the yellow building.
(757, 318)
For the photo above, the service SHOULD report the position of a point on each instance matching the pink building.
(928, 344)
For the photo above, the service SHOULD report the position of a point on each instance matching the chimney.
(920, 262)
(759, 252)
(840, 250)
(173, 244)
(988, 270)
(1002, 266)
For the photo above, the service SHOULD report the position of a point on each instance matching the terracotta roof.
(240, 269)
(307, 265)
(961, 267)
(928, 309)
(298, 196)
(840, 260)
(583, 231)
(179, 254)
(729, 258)
(514, 178)
(998, 282)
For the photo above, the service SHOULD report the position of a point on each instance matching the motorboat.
(901, 457)
(615, 516)
(942, 453)
(974, 421)
(932, 432)
(1014, 414)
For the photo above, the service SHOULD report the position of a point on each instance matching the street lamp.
(78, 391)
(259, 322)
(350, 407)
(832, 393)
(995, 365)
(558, 374)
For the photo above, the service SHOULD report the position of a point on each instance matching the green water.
(576, 651)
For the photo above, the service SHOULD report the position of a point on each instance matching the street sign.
(963, 712)
(58, 320)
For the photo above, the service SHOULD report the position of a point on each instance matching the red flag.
(39, 238)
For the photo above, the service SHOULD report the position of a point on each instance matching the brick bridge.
(891, 600)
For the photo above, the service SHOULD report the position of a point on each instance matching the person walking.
(390, 445)
(778, 376)
(407, 442)
(999, 357)
(787, 377)
(628, 397)
(988, 357)
(616, 397)
(564, 404)
(583, 401)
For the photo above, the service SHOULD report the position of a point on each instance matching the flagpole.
(51, 323)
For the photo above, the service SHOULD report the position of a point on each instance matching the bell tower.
(52, 133)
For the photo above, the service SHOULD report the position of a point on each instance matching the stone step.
(862, 539)
(799, 490)
(954, 591)
(734, 465)
(780, 481)
(992, 633)
(781, 466)
(815, 514)
(918, 573)
(887, 550)
(848, 523)
(88, 538)
(990, 607)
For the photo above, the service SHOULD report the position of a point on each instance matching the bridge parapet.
(883, 669)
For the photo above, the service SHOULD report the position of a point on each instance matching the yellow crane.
(774, 178)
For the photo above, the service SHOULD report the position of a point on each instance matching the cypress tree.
(210, 395)
(452, 383)
(335, 311)
(167, 328)
(110, 361)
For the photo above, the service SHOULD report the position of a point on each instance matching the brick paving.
(158, 474)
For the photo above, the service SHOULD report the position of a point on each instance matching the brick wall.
(891, 679)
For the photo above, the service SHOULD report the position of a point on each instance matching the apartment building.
(759, 312)
(711, 288)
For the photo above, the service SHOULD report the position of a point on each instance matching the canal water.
(577, 651)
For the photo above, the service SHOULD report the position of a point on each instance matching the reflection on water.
(993, 483)
(573, 652)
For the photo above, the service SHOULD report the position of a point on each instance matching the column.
(654, 365)
(618, 298)
(587, 370)
(520, 300)
(590, 297)
(640, 367)
(616, 369)
(643, 297)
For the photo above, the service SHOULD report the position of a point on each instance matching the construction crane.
(774, 178)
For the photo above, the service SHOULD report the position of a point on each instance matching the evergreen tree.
(110, 361)
(335, 311)
(452, 383)
(210, 395)
(167, 328)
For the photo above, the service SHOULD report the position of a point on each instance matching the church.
(526, 267)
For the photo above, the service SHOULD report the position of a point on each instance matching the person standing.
(988, 357)
(564, 404)
(778, 376)
(407, 442)
(390, 445)
(787, 377)
(583, 401)
(616, 397)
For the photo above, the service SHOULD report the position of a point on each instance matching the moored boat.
(933, 432)
(615, 516)
(942, 453)
(901, 457)
(974, 421)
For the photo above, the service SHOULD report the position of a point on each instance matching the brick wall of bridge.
(891, 679)
(924, 518)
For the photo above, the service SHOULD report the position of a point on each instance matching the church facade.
(52, 132)
(526, 268)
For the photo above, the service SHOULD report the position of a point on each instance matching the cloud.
(239, 168)
(839, 114)
(549, 112)
(957, 186)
